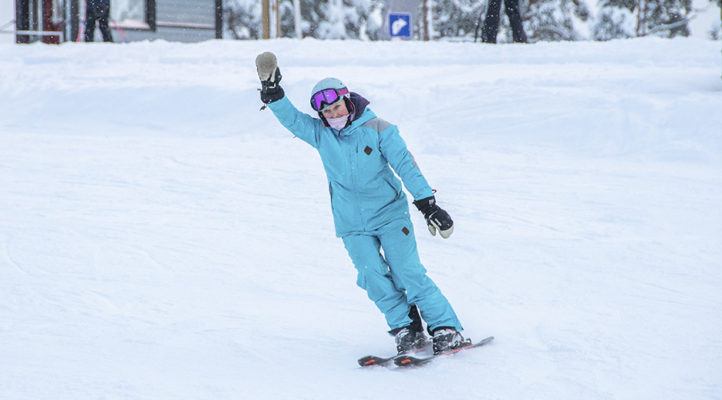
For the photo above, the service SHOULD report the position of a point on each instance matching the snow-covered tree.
(325, 19)
(542, 19)
(457, 18)
(613, 23)
(242, 18)
(547, 20)
(625, 18)
(343, 19)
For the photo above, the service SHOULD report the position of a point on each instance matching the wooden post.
(425, 19)
(278, 18)
(265, 19)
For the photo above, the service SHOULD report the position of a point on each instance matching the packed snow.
(162, 238)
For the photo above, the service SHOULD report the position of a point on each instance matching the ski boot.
(409, 340)
(447, 339)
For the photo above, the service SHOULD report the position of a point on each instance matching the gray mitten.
(270, 76)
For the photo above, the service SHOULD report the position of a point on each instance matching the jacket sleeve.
(301, 125)
(393, 147)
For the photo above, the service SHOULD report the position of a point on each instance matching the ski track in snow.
(162, 238)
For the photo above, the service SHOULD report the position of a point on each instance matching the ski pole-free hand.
(436, 218)
(270, 76)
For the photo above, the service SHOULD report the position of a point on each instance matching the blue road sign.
(400, 25)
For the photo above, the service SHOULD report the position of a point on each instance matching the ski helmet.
(329, 83)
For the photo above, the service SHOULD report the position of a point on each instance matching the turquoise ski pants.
(397, 279)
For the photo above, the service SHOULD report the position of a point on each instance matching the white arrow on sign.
(398, 25)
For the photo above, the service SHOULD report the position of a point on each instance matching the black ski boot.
(410, 338)
(447, 339)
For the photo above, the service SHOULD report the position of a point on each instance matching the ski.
(410, 360)
(368, 361)
(372, 360)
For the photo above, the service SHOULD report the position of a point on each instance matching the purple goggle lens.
(326, 97)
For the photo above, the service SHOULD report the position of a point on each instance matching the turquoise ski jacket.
(366, 196)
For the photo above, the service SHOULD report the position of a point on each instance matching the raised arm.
(300, 124)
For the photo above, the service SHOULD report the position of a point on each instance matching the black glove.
(436, 218)
(270, 76)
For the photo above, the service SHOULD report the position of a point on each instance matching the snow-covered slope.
(162, 238)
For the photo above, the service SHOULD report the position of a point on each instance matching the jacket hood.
(359, 104)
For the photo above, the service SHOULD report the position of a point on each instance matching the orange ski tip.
(406, 361)
(371, 361)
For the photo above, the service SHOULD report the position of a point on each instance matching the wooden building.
(55, 21)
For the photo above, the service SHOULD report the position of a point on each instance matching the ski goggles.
(326, 97)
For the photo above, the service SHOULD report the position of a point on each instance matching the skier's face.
(336, 110)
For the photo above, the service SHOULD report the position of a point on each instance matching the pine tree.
(341, 19)
(242, 18)
(457, 18)
(554, 19)
(613, 23)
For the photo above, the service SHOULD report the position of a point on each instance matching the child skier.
(369, 206)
